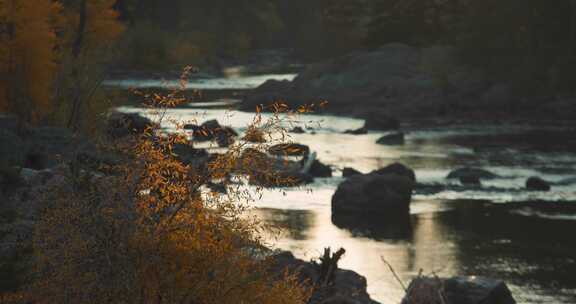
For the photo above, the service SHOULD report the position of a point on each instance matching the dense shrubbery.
(149, 232)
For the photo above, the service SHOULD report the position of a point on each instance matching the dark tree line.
(497, 34)
(531, 41)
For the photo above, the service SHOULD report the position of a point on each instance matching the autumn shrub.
(150, 232)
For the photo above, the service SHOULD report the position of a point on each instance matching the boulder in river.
(318, 169)
(121, 124)
(345, 286)
(360, 131)
(458, 290)
(397, 169)
(470, 180)
(268, 171)
(189, 155)
(297, 130)
(471, 173)
(348, 172)
(374, 194)
(392, 139)
(212, 130)
(535, 183)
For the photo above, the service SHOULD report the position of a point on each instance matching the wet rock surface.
(458, 290)
(345, 286)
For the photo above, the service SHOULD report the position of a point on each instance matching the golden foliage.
(150, 234)
(36, 42)
(27, 56)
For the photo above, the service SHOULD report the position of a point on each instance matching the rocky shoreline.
(408, 82)
(38, 153)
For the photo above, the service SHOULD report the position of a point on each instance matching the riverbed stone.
(347, 286)
(470, 172)
(348, 172)
(360, 131)
(397, 169)
(535, 183)
(319, 169)
(121, 124)
(458, 290)
(392, 139)
(373, 194)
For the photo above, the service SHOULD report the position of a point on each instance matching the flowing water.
(452, 230)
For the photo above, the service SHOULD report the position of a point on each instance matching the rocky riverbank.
(405, 81)
(35, 158)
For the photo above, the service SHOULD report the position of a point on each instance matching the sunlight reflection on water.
(439, 237)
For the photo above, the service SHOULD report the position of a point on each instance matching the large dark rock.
(348, 172)
(392, 139)
(212, 130)
(268, 171)
(318, 169)
(397, 169)
(458, 290)
(268, 93)
(470, 180)
(373, 194)
(189, 155)
(471, 173)
(122, 124)
(535, 183)
(346, 287)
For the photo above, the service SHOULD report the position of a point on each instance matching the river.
(452, 230)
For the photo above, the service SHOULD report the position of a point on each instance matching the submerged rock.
(458, 290)
(470, 181)
(297, 130)
(360, 131)
(535, 183)
(348, 172)
(392, 139)
(470, 173)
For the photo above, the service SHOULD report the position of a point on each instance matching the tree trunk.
(572, 37)
(76, 52)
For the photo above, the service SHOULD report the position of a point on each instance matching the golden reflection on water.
(307, 232)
